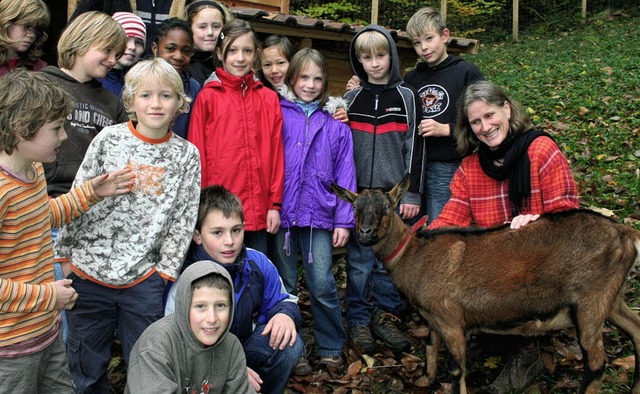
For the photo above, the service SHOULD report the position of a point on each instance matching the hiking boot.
(360, 338)
(383, 326)
(303, 368)
(331, 362)
(519, 371)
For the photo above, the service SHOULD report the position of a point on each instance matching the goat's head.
(373, 210)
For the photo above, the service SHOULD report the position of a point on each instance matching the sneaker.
(519, 371)
(303, 368)
(384, 328)
(331, 362)
(361, 339)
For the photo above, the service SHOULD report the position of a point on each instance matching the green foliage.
(338, 11)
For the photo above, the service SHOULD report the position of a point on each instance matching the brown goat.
(564, 269)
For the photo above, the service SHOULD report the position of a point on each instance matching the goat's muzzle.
(366, 236)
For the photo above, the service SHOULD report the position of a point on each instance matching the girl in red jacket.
(236, 123)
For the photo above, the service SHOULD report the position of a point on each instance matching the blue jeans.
(328, 330)
(438, 176)
(273, 366)
(366, 277)
(98, 313)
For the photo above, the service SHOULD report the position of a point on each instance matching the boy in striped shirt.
(32, 114)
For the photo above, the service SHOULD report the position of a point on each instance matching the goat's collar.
(416, 226)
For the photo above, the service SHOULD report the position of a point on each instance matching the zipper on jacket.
(243, 86)
(375, 133)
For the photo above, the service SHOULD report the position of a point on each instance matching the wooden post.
(374, 11)
(443, 9)
(584, 11)
(516, 19)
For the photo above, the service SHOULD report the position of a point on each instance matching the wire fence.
(489, 21)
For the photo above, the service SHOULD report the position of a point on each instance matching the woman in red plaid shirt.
(512, 172)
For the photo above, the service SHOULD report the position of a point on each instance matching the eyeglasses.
(29, 29)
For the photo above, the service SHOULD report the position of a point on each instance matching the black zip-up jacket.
(386, 144)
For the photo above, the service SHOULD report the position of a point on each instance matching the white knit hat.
(132, 25)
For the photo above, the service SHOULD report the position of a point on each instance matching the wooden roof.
(306, 27)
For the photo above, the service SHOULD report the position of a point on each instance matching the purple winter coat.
(318, 151)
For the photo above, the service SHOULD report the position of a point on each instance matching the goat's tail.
(636, 243)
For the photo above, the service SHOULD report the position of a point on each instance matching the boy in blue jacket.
(267, 318)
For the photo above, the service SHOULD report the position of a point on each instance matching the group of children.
(203, 159)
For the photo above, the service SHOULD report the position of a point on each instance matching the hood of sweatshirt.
(184, 293)
(395, 78)
(68, 79)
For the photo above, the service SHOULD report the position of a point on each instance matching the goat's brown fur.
(565, 268)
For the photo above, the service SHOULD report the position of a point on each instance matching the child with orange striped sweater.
(32, 114)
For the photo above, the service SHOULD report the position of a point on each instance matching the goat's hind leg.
(629, 322)
(589, 329)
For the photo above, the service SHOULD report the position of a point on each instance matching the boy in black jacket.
(383, 116)
(439, 79)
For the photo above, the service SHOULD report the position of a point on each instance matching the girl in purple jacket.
(318, 151)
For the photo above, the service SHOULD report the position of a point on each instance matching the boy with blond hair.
(439, 78)
(383, 116)
(88, 49)
(124, 251)
(32, 112)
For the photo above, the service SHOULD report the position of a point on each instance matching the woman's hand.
(523, 220)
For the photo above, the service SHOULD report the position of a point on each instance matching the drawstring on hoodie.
(310, 258)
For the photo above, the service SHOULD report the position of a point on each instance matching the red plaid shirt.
(480, 199)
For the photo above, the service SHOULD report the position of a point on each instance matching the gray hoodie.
(169, 359)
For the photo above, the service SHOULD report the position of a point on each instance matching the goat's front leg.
(454, 337)
(433, 348)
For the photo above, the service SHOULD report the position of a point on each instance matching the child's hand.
(273, 221)
(431, 128)
(113, 183)
(67, 295)
(409, 211)
(341, 115)
(254, 379)
(353, 83)
(282, 330)
(340, 237)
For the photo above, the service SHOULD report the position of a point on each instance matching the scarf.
(516, 166)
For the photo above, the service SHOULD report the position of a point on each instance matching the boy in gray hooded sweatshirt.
(192, 350)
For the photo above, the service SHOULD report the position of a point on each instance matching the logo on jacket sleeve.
(434, 100)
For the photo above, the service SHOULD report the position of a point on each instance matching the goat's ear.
(399, 189)
(343, 193)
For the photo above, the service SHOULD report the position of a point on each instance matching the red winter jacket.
(236, 123)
